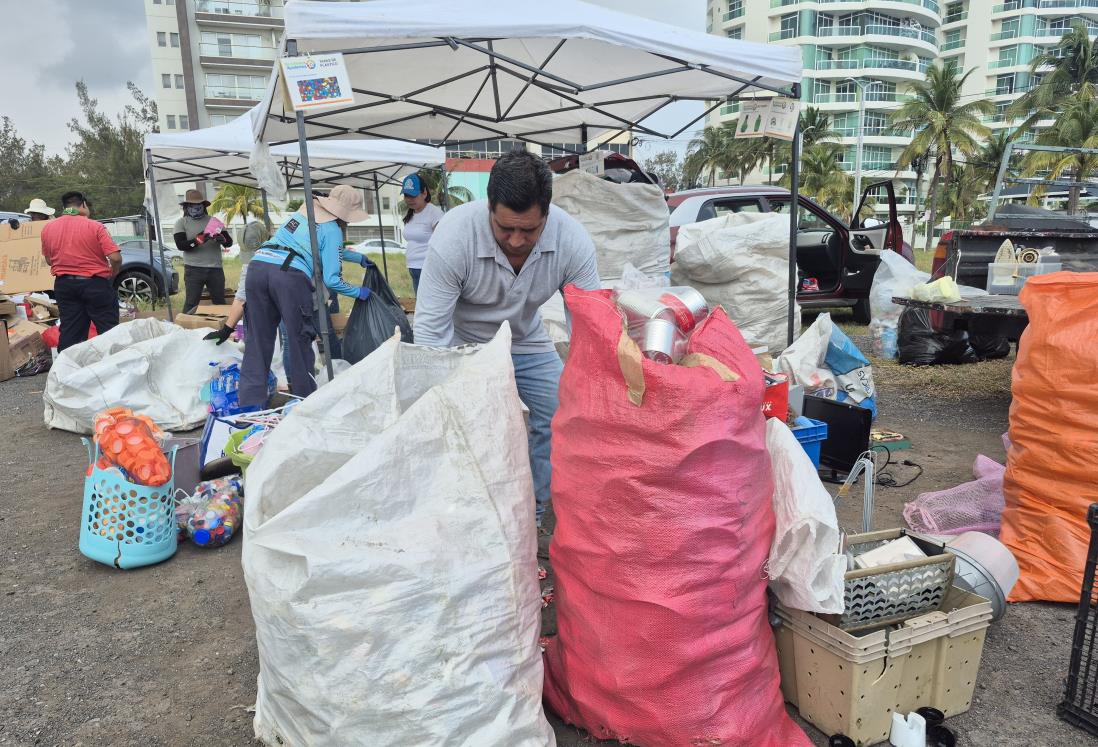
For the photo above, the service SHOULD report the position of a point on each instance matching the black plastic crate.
(1080, 704)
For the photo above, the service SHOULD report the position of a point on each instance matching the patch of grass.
(923, 260)
(963, 382)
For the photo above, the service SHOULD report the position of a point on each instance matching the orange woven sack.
(1053, 458)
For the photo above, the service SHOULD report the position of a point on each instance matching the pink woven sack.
(662, 492)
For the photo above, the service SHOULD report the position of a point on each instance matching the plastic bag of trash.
(920, 345)
(391, 560)
(661, 600)
(943, 289)
(740, 261)
(828, 364)
(895, 277)
(806, 569)
(372, 321)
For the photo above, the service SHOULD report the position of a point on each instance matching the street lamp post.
(862, 87)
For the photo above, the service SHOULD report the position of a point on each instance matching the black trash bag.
(989, 347)
(373, 321)
(920, 345)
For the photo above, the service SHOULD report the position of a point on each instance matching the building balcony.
(903, 32)
(880, 68)
(835, 98)
(927, 10)
(241, 13)
(955, 44)
(955, 18)
(233, 96)
(730, 109)
(732, 15)
(215, 53)
(1007, 64)
(1066, 4)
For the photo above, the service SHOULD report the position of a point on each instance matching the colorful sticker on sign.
(316, 81)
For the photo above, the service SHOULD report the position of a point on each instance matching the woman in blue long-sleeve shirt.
(280, 288)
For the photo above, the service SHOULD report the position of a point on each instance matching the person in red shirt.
(83, 259)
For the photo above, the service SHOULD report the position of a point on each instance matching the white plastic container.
(984, 566)
(1007, 278)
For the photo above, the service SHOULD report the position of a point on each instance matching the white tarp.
(595, 70)
(741, 261)
(390, 557)
(153, 367)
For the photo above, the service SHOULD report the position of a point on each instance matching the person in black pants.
(201, 249)
(83, 259)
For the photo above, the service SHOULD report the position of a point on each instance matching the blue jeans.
(538, 376)
(414, 272)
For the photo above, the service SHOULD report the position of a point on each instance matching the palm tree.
(962, 201)
(709, 152)
(1076, 126)
(941, 125)
(988, 159)
(455, 193)
(816, 127)
(1074, 71)
(236, 200)
(743, 156)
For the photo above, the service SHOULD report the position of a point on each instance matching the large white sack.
(806, 568)
(895, 277)
(803, 361)
(628, 222)
(740, 261)
(153, 367)
(390, 557)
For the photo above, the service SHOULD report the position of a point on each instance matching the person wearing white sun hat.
(39, 210)
(280, 288)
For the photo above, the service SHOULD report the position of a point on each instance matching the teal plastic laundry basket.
(123, 524)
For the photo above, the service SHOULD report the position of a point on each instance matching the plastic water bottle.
(889, 343)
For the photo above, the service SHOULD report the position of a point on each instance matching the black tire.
(134, 285)
(862, 314)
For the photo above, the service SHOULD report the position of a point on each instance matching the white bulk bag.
(741, 261)
(153, 367)
(629, 223)
(806, 568)
(390, 558)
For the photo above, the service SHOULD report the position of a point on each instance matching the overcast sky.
(105, 43)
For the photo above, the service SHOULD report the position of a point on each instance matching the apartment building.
(875, 49)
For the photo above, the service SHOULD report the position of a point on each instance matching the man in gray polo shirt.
(499, 260)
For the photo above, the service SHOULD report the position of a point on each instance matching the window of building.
(1010, 29)
(484, 148)
(876, 123)
(179, 81)
(171, 121)
(876, 157)
(1004, 84)
(846, 90)
(1008, 57)
(161, 39)
(736, 33)
(169, 2)
(175, 39)
(954, 12)
(789, 26)
(166, 80)
(184, 122)
(821, 90)
(231, 45)
(228, 86)
(385, 203)
(220, 119)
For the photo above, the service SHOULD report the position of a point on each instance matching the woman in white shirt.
(419, 224)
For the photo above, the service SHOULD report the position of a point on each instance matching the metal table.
(981, 315)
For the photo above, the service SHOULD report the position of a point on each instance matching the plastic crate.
(852, 684)
(1080, 704)
(811, 434)
(124, 524)
(1007, 278)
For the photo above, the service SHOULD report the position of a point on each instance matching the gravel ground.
(166, 655)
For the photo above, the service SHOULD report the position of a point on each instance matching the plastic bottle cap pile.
(133, 444)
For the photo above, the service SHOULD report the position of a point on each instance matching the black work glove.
(220, 335)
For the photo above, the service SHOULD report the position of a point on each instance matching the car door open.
(873, 239)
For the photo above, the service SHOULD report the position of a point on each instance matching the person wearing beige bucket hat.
(202, 238)
(280, 289)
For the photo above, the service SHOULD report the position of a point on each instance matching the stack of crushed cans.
(660, 320)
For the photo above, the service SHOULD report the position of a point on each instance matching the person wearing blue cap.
(419, 224)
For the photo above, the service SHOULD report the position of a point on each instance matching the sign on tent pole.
(776, 118)
(315, 82)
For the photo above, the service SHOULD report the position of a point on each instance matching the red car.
(835, 261)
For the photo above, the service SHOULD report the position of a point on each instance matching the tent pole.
(149, 234)
(794, 210)
(381, 230)
(319, 300)
(159, 230)
(444, 189)
(266, 210)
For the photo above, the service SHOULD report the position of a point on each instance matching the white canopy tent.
(564, 73)
(228, 153)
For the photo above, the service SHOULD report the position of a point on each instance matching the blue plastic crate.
(811, 433)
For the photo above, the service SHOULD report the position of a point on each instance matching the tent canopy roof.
(556, 72)
(225, 153)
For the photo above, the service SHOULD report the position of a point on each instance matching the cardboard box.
(211, 309)
(7, 309)
(7, 371)
(22, 266)
(200, 320)
(25, 342)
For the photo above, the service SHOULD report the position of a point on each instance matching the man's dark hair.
(519, 181)
(73, 199)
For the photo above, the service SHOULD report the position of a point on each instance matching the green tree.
(667, 166)
(1072, 70)
(26, 172)
(816, 127)
(990, 156)
(709, 153)
(237, 201)
(455, 193)
(1076, 126)
(962, 200)
(294, 204)
(744, 155)
(941, 124)
(106, 159)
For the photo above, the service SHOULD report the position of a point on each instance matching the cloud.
(50, 44)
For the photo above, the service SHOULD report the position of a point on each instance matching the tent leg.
(444, 189)
(381, 230)
(159, 230)
(319, 300)
(794, 211)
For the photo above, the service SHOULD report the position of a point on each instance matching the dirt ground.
(166, 655)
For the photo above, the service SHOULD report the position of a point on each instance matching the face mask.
(195, 211)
